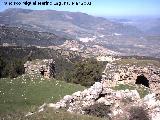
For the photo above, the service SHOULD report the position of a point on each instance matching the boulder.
(51, 105)
(67, 98)
(104, 100)
(150, 100)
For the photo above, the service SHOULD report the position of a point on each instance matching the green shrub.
(11, 68)
(138, 113)
(126, 100)
(87, 72)
(98, 110)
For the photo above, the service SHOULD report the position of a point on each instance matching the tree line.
(80, 71)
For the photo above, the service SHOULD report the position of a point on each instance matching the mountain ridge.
(90, 30)
(21, 37)
(72, 23)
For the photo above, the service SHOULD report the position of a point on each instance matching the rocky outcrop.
(95, 94)
(153, 105)
(44, 67)
(120, 102)
(78, 100)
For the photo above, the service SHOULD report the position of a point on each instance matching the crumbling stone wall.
(118, 100)
(114, 75)
(45, 67)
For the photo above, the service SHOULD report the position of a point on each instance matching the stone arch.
(141, 79)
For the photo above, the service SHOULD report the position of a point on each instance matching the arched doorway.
(141, 79)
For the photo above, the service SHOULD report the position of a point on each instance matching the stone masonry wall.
(44, 67)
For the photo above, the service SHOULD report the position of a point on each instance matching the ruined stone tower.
(44, 67)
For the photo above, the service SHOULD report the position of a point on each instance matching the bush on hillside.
(98, 110)
(88, 72)
(138, 113)
(11, 68)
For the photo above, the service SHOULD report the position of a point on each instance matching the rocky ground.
(119, 101)
(124, 92)
(148, 75)
(127, 103)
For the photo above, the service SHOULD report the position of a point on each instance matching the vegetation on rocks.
(99, 110)
(138, 113)
(143, 91)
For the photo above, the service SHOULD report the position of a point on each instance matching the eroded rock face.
(44, 67)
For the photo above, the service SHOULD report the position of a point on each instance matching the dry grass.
(134, 61)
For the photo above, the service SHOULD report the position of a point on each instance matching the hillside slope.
(19, 36)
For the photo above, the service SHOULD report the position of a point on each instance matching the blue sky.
(101, 7)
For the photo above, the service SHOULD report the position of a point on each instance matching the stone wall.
(44, 67)
(114, 75)
(120, 101)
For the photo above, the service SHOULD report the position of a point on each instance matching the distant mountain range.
(149, 26)
(73, 24)
(50, 27)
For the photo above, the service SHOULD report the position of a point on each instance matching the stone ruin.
(45, 67)
(102, 92)
(148, 76)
